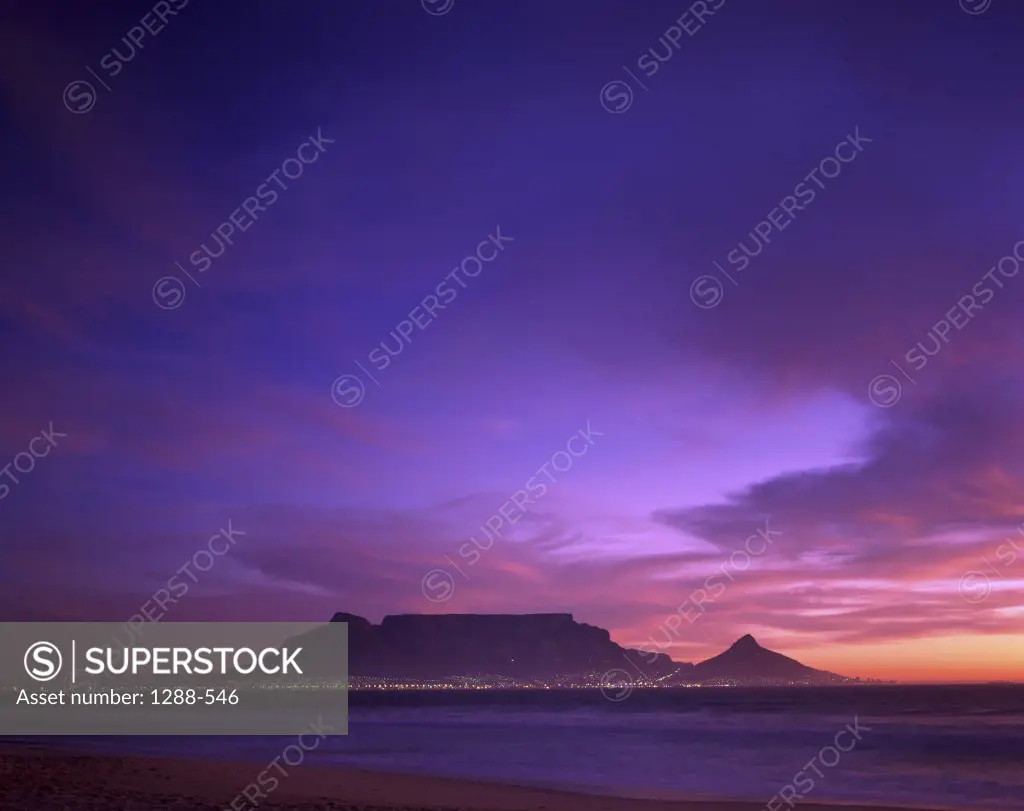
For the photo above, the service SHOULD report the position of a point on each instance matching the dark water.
(958, 747)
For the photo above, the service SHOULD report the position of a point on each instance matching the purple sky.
(439, 132)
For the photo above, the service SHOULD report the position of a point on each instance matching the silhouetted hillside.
(534, 646)
(539, 646)
(747, 661)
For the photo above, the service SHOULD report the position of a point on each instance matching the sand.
(38, 779)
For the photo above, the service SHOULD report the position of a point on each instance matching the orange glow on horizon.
(933, 659)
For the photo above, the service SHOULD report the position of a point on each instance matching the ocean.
(955, 747)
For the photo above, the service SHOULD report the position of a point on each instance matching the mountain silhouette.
(531, 646)
(747, 661)
(540, 646)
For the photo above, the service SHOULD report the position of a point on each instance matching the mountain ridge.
(544, 647)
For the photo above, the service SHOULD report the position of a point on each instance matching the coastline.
(41, 777)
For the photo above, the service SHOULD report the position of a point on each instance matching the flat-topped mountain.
(534, 646)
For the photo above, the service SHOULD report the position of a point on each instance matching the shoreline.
(65, 779)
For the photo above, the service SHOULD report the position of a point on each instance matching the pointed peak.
(746, 641)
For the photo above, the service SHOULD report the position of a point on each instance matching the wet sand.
(43, 779)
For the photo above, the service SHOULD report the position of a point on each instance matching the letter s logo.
(43, 661)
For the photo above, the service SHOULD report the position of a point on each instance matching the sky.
(690, 320)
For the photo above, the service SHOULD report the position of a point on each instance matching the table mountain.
(528, 646)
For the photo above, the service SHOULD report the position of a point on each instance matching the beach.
(45, 779)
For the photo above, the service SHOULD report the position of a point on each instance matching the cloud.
(874, 549)
(931, 467)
